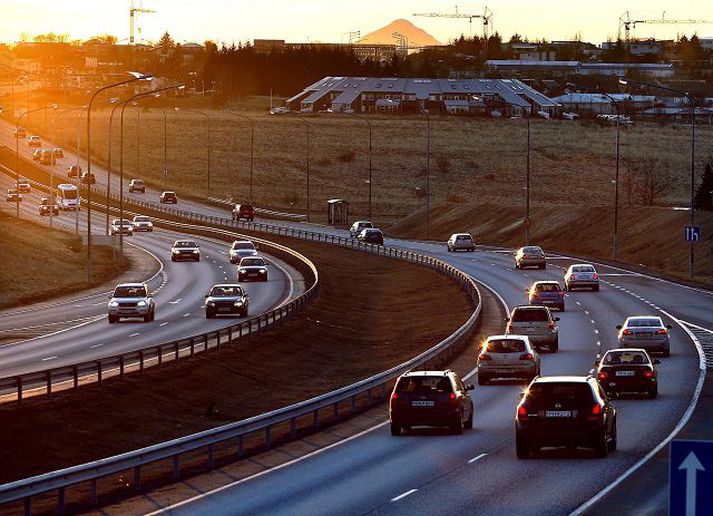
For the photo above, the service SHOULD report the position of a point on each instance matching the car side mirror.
(109, 296)
(521, 395)
(656, 361)
(527, 290)
(506, 319)
(207, 295)
(557, 318)
(668, 326)
(618, 326)
(469, 387)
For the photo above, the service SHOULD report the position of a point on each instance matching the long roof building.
(464, 96)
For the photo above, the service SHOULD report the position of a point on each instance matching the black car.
(168, 198)
(371, 236)
(74, 171)
(88, 178)
(628, 370)
(566, 411)
(430, 398)
(226, 299)
(252, 268)
(137, 185)
(47, 208)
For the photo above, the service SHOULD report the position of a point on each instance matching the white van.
(67, 197)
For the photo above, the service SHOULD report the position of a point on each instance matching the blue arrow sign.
(692, 233)
(690, 477)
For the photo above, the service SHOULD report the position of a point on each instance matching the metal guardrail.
(24, 490)
(268, 214)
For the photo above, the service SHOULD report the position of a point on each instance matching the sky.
(228, 21)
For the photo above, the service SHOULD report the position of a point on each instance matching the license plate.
(625, 373)
(224, 309)
(558, 413)
(645, 335)
(422, 403)
(252, 274)
(530, 330)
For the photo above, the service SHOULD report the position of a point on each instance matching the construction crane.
(401, 40)
(486, 16)
(353, 36)
(132, 15)
(629, 24)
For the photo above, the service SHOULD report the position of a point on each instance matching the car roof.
(445, 372)
(546, 282)
(562, 378)
(130, 285)
(362, 222)
(638, 317)
(625, 350)
(242, 241)
(185, 240)
(169, 191)
(461, 234)
(224, 285)
(530, 307)
(503, 337)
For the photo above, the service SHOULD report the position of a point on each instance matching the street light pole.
(77, 156)
(428, 164)
(625, 81)
(209, 144)
(308, 135)
(17, 155)
(527, 184)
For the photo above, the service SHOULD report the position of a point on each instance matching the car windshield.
(125, 291)
(243, 245)
(248, 262)
(185, 243)
(226, 291)
(464, 237)
(138, 183)
(625, 358)
(141, 219)
(583, 268)
(548, 287)
(530, 315)
(506, 346)
(70, 194)
(424, 385)
(532, 250)
(641, 323)
(567, 393)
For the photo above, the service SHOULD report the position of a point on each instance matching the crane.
(486, 16)
(353, 36)
(132, 15)
(629, 24)
(402, 40)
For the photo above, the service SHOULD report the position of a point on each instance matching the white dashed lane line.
(186, 315)
(163, 324)
(471, 461)
(134, 334)
(48, 358)
(94, 346)
(404, 495)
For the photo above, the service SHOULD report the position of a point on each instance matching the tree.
(106, 39)
(166, 42)
(656, 180)
(704, 195)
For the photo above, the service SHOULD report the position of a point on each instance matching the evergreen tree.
(704, 196)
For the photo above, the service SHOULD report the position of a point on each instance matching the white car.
(119, 227)
(581, 275)
(142, 223)
(131, 300)
(460, 242)
(358, 227)
(185, 250)
(241, 249)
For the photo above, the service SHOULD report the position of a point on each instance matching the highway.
(429, 471)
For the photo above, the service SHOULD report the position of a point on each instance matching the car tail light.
(602, 376)
(596, 413)
(452, 398)
(627, 332)
(551, 325)
(572, 276)
(561, 293)
(661, 332)
(649, 374)
(526, 356)
(509, 328)
(484, 356)
(394, 397)
(521, 412)
(596, 276)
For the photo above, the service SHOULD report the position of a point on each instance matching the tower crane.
(352, 36)
(629, 24)
(132, 15)
(486, 16)
(401, 40)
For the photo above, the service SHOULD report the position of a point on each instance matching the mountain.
(383, 36)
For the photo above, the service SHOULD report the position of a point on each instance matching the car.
(628, 370)
(537, 323)
(47, 208)
(121, 227)
(546, 293)
(137, 185)
(358, 227)
(34, 141)
(20, 132)
(530, 256)
(58, 153)
(371, 236)
(240, 249)
(581, 275)
(36, 154)
(13, 195)
(244, 211)
(185, 250)
(131, 300)
(568, 115)
(142, 223)
(460, 242)
(507, 356)
(569, 411)
(252, 268)
(226, 299)
(88, 178)
(23, 185)
(47, 157)
(645, 331)
(430, 398)
(74, 171)
(168, 198)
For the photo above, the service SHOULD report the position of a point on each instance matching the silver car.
(119, 227)
(530, 256)
(460, 242)
(647, 332)
(581, 275)
(131, 300)
(537, 323)
(358, 227)
(142, 223)
(507, 356)
(241, 249)
(185, 250)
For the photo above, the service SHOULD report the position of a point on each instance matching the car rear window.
(226, 291)
(243, 245)
(530, 315)
(506, 346)
(583, 268)
(424, 385)
(252, 262)
(246, 207)
(141, 219)
(548, 287)
(186, 243)
(625, 357)
(567, 393)
(532, 250)
(638, 323)
(464, 237)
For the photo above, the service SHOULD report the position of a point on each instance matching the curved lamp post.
(77, 155)
(428, 164)
(252, 149)
(198, 111)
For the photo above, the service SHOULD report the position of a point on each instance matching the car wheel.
(653, 392)
(522, 448)
(244, 313)
(554, 347)
(147, 317)
(112, 319)
(265, 278)
(596, 288)
(469, 423)
(208, 314)
(611, 445)
(543, 266)
(666, 353)
(450, 250)
(483, 379)
(457, 426)
(395, 429)
(601, 444)
(173, 258)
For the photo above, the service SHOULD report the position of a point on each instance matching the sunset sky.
(323, 20)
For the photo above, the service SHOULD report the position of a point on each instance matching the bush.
(444, 164)
(346, 156)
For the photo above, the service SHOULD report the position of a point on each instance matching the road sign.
(690, 476)
(692, 233)
(165, 172)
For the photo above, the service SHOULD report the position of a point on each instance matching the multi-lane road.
(430, 471)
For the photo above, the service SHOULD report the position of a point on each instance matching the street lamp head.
(141, 76)
(623, 82)
(182, 87)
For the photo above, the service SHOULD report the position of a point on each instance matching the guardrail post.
(315, 420)
(60, 500)
(141, 361)
(211, 460)
(354, 403)
(268, 436)
(176, 467)
(368, 394)
(121, 367)
(137, 478)
(160, 355)
(27, 506)
(75, 375)
(175, 346)
(193, 349)
(293, 428)
(18, 381)
(241, 451)
(48, 379)
(99, 372)
(336, 411)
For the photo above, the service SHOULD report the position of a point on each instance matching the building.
(376, 52)
(496, 97)
(566, 68)
(600, 104)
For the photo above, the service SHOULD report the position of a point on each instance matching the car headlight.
(113, 304)
(141, 303)
(238, 303)
(210, 303)
(195, 251)
(263, 271)
(174, 251)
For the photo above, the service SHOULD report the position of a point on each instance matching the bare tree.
(655, 181)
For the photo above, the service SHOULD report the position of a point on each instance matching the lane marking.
(176, 301)
(163, 324)
(471, 461)
(95, 346)
(134, 334)
(186, 315)
(403, 495)
(48, 358)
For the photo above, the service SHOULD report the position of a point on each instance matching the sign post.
(690, 475)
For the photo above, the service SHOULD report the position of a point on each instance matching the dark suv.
(430, 398)
(244, 211)
(567, 411)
